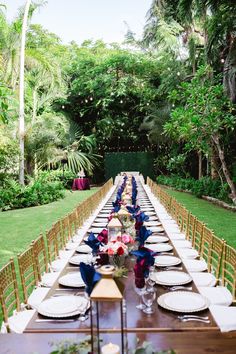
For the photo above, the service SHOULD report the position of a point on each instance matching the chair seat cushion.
(48, 279)
(182, 244)
(19, 321)
(58, 265)
(217, 296)
(203, 279)
(37, 296)
(188, 253)
(225, 317)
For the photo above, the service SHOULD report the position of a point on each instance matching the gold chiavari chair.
(14, 320)
(206, 243)
(191, 227)
(55, 264)
(32, 294)
(174, 208)
(197, 237)
(229, 269)
(45, 277)
(66, 234)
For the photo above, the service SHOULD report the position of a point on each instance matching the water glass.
(148, 296)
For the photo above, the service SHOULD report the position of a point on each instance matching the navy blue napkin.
(93, 242)
(89, 276)
(143, 234)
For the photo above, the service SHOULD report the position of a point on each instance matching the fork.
(193, 316)
(194, 319)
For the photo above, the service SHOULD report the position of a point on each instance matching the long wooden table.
(137, 321)
(181, 342)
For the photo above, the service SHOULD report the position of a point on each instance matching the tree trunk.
(214, 163)
(199, 164)
(21, 98)
(226, 172)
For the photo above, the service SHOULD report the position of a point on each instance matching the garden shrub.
(38, 192)
(203, 186)
(66, 177)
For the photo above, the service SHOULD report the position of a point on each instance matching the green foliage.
(203, 186)
(65, 177)
(38, 192)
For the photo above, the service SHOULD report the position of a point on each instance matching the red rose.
(120, 251)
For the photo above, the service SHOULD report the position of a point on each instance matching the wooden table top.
(181, 342)
(160, 321)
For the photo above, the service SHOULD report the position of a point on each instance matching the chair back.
(40, 256)
(28, 272)
(197, 237)
(9, 293)
(216, 255)
(52, 245)
(191, 227)
(229, 269)
(206, 244)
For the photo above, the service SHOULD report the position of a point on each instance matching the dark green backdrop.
(115, 162)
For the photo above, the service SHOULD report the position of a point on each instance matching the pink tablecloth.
(80, 184)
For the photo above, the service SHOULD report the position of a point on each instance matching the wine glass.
(140, 291)
(148, 297)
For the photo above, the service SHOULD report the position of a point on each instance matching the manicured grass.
(19, 227)
(221, 221)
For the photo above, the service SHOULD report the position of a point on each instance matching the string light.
(222, 60)
(91, 98)
(178, 73)
(86, 101)
(121, 101)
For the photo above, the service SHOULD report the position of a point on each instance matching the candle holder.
(114, 227)
(106, 290)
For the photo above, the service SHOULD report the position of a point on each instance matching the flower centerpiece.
(117, 252)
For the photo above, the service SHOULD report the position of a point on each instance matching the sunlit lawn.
(19, 227)
(221, 221)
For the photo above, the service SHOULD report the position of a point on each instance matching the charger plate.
(73, 279)
(165, 261)
(159, 247)
(152, 223)
(156, 228)
(183, 301)
(157, 239)
(150, 213)
(86, 258)
(101, 219)
(63, 306)
(172, 278)
(84, 249)
(96, 230)
(99, 224)
(104, 214)
(153, 218)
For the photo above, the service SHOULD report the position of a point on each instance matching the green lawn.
(221, 221)
(19, 227)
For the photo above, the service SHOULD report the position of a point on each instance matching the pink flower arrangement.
(126, 238)
(116, 247)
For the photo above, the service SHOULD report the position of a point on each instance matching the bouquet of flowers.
(117, 252)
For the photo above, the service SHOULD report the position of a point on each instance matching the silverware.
(173, 288)
(172, 268)
(166, 253)
(56, 320)
(194, 319)
(194, 316)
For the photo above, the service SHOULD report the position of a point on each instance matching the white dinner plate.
(101, 219)
(156, 228)
(84, 249)
(157, 239)
(63, 306)
(96, 230)
(159, 247)
(183, 301)
(150, 213)
(153, 218)
(195, 265)
(172, 278)
(99, 224)
(165, 261)
(85, 258)
(73, 279)
(104, 214)
(152, 223)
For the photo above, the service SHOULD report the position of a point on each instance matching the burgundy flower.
(120, 251)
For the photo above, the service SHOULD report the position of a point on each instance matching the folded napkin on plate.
(93, 242)
(225, 317)
(145, 259)
(103, 236)
(133, 210)
(89, 276)
(143, 234)
(116, 206)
